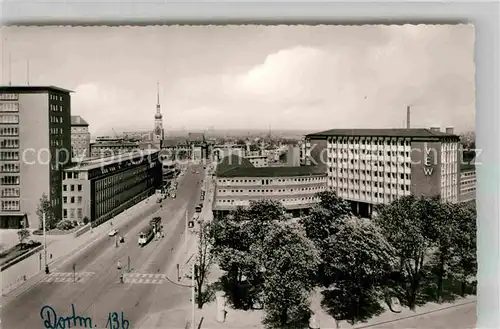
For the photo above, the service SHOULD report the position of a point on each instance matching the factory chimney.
(408, 117)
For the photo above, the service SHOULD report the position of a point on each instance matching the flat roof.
(33, 89)
(390, 132)
(235, 166)
(104, 161)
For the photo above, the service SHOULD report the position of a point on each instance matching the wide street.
(98, 290)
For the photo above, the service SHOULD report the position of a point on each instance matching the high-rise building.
(158, 133)
(80, 137)
(377, 166)
(35, 139)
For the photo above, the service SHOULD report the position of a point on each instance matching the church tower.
(158, 131)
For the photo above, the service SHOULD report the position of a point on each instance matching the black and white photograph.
(238, 177)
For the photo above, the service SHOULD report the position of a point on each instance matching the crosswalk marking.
(143, 278)
(59, 277)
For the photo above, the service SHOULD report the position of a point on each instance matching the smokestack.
(408, 110)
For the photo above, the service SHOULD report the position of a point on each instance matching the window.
(72, 188)
(79, 187)
(72, 199)
(65, 213)
(65, 188)
(65, 199)
(79, 213)
(9, 107)
(10, 180)
(72, 213)
(9, 118)
(10, 205)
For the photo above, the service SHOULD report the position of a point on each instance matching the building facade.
(99, 189)
(258, 160)
(108, 146)
(467, 183)
(35, 139)
(377, 166)
(238, 183)
(80, 137)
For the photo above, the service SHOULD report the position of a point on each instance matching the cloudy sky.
(253, 77)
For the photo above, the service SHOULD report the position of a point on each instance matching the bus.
(145, 235)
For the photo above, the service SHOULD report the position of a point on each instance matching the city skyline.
(245, 77)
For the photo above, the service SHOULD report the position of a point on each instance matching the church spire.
(158, 111)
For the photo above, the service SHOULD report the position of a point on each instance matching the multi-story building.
(467, 183)
(80, 137)
(377, 166)
(35, 139)
(101, 188)
(238, 182)
(109, 146)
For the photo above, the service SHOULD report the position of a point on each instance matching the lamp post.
(186, 232)
(192, 295)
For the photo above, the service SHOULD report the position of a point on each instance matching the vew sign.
(429, 158)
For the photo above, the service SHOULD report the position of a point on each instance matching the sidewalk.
(26, 273)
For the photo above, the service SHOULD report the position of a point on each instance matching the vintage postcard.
(238, 177)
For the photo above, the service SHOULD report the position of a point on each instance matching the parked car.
(173, 195)
(113, 232)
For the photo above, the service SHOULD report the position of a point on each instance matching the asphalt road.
(102, 293)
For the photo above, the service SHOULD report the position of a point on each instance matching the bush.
(37, 232)
(65, 225)
(75, 223)
(86, 220)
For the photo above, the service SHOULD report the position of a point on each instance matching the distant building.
(80, 137)
(377, 166)
(109, 146)
(258, 160)
(292, 156)
(238, 182)
(194, 147)
(35, 143)
(101, 188)
(467, 183)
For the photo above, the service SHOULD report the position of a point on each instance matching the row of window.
(9, 143)
(72, 211)
(9, 119)
(271, 181)
(55, 108)
(390, 164)
(72, 187)
(362, 141)
(10, 180)
(467, 190)
(72, 199)
(366, 194)
(9, 167)
(311, 198)
(9, 131)
(381, 174)
(356, 182)
(56, 131)
(468, 181)
(10, 192)
(9, 107)
(9, 97)
(56, 119)
(11, 205)
(53, 97)
(368, 153)
(274, 191)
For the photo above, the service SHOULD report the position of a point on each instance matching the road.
(100, 292)
(455, 317)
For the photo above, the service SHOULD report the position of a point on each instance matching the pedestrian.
(47, 269)
(121, 277)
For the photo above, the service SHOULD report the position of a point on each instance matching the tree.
(45, 206)
(288, 260)
(204, 261)
(358, 260)
(324, 221)
(464, 265)
(23, 234)
(407, 223)
(86, 220)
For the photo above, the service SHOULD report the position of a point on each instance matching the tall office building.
(377, 166)
(35, 139)
(80, 137)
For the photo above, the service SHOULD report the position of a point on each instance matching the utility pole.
(186, 233)
(45, 238)
(74, 272)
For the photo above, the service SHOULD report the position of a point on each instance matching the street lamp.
(44, 239)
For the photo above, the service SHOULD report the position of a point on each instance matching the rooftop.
(89, 164)
(392, 132)
(33, 89)
(77, 120)
(235, 166)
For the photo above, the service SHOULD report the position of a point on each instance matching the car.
(173, 195)
(113, 232)
(197, 172)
